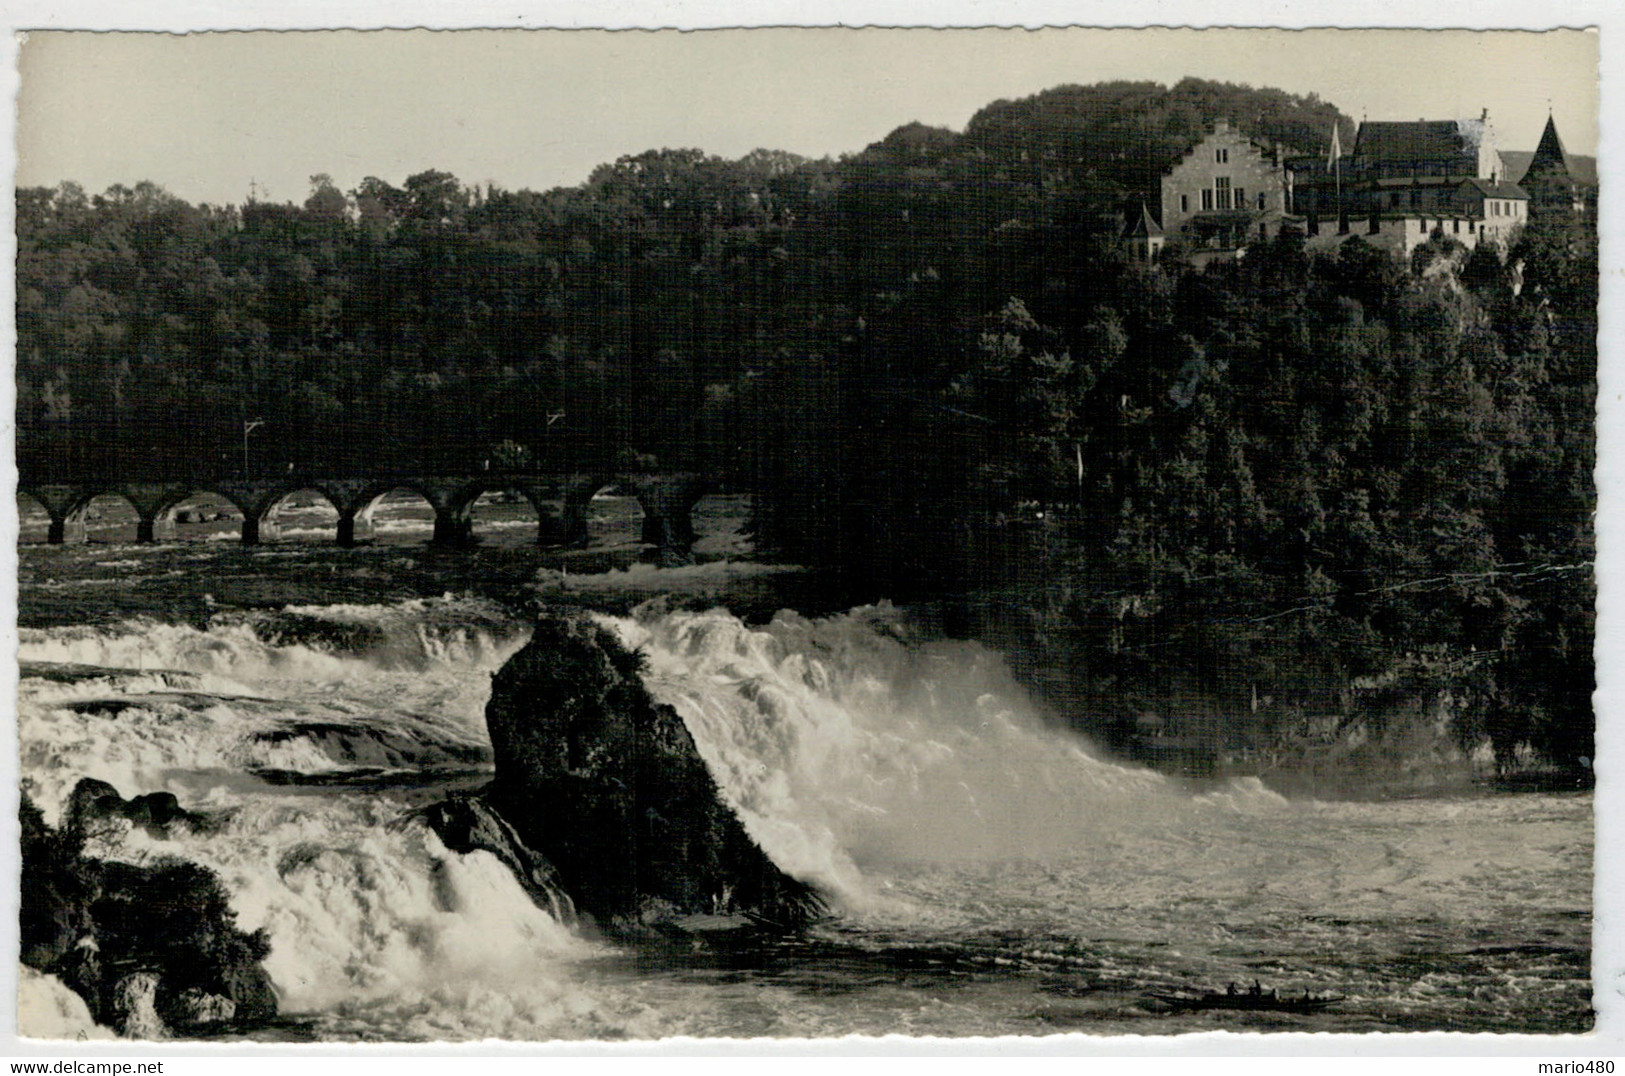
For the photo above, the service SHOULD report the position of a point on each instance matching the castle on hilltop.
(1402, 183)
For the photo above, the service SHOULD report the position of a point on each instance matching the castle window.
(1207, 199)
(1221, 191)
(1261, 204)
(1239, 198)
(1455, 226)
(1184, 203)
(1393, 200)
(1221, 156)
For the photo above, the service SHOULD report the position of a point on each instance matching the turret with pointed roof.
(1550, 153)
(1141, 225)
(1550, 180)
(1142, 234)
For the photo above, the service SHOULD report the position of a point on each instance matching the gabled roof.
(1502, 189)
(1141, 227)
(1223, 127)
(1385, 140)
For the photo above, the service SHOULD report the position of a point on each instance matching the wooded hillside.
(1305, 480)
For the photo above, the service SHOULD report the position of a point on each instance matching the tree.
(326, 202)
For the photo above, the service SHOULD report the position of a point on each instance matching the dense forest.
(1290, 484)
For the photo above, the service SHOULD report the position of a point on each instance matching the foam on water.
(47, 1009)
(416, 633)
(376, 926)
(841, 743)
(912, 779)
(644, 576)
(149, 706)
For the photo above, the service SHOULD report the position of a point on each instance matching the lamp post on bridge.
(248, 428)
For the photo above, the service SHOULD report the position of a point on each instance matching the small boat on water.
(1251, 999)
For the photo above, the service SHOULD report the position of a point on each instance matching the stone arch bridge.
(560, 502)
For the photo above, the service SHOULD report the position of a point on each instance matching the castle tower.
(1550, 179)
(1550, 153)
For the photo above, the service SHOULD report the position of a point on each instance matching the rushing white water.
(151, 706)
(837, 740)
(375, 926)
(992, 875)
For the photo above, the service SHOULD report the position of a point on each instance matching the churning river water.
(990, 875)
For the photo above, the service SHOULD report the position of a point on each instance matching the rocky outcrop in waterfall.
(153, 950)
(156, 812)
(608, 786)
(465, 823)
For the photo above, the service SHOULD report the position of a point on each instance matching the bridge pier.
(257, 529)
(578, 494)
(65, 529)
(668, 503)
(154, 504)
(549, 528)
(65, 505)
(355, 526)
(156, 528)
(453, 529)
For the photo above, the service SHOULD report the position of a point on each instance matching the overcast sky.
(205, 115)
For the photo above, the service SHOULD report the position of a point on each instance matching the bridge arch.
(172, 508)
(65, 505)
(720, 523)
(666, 503)
(545, 499)
(563, 505)
(363, 508)
(243, 506)
(272, 522)
(33, 517)
(576, 528)
(98, 504)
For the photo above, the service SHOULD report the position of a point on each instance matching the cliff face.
(608, 786)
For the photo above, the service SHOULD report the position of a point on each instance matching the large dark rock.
(156, 812)
(56, 893)
(608, 786)
(141, 943)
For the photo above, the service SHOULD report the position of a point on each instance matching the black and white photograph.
(608, 536)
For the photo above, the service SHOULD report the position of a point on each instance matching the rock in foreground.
(152, 949)
(607, 784)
